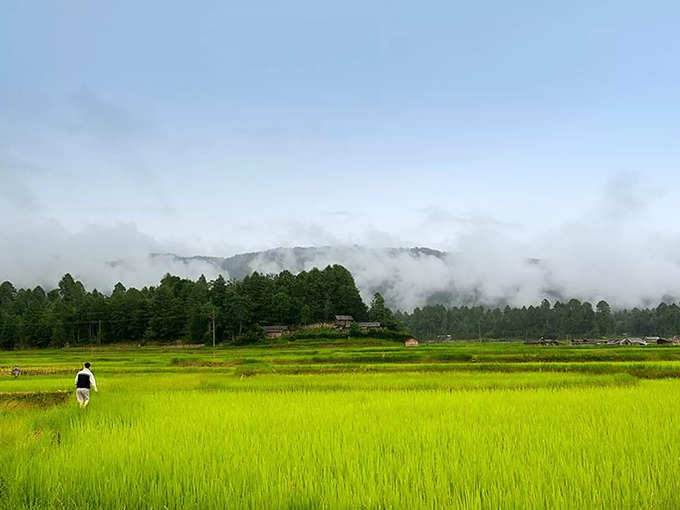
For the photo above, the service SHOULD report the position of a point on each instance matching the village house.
(343, 321)
(369, 325)
(275, 331)
(669, 341)
(411, 342)
(628, 341)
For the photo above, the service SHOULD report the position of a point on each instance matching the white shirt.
(86, 371)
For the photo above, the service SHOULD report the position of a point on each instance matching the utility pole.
(99, 333)
(213, 327)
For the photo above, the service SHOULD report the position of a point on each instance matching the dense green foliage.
(176, 309)
(358, 425)
(327, 332)
(560, 320)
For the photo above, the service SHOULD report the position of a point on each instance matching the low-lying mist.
(612, 250)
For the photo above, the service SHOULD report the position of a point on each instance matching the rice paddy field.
(352, 425)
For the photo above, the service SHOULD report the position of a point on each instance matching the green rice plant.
(285, 430)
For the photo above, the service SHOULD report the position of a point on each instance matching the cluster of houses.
(627, 341)
(646, 341)
(345, 322)
(632, 341)
(341, 322)
(619, 341)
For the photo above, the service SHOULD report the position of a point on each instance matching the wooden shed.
(343, 321)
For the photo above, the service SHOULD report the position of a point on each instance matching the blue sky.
(216, 127)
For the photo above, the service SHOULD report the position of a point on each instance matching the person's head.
(87, 365)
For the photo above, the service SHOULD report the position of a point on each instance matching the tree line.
(179, 308)
(559, 320)
(182, 309)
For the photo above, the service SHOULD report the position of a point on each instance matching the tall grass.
(236, 429)
(592, 447)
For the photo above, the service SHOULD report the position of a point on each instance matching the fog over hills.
(407, 277)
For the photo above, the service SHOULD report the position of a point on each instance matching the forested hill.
(176, 309)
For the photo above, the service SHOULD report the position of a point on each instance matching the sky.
(533, 129)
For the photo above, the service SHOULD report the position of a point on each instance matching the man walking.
(84, 381)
